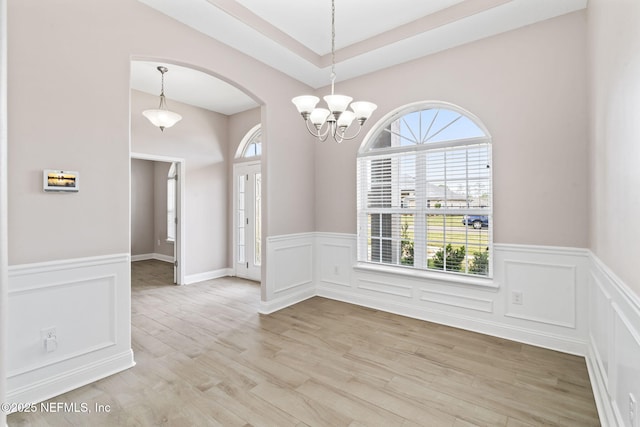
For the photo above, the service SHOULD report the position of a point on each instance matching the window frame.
(420, 264)
(172, 183)
(246, 142)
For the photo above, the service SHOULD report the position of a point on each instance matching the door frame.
(179, 248)
(237, 166)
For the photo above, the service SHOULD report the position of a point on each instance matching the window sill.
(421, 274)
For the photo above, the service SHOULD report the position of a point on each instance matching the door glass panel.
(241, 220)
(258, 220)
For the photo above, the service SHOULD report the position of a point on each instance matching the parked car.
(477, 221)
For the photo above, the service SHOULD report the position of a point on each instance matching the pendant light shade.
(161, 117)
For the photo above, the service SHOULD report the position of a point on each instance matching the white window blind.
(426, 205)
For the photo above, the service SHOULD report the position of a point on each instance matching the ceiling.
(294, 36)
(189, 86)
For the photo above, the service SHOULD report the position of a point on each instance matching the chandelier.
(335, 119)
(162, 117)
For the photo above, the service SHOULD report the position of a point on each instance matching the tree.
(406, 246)
(480, 263)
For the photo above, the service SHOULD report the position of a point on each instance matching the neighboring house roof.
(436, 192)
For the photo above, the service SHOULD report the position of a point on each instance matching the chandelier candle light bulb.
(337, 119)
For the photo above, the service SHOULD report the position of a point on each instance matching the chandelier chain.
(335, 120)
(333, 44)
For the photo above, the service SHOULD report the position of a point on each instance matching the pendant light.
(162, 117)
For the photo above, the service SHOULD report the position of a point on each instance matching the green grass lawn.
(455, 232)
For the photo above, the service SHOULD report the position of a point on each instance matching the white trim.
(479, 304)
(65, 264)
(276, 304)
(243, 144)
(630, 297)
(208, 275)
(545, 250)
(71, 380)
(382, 123)
(457, 279)
(156, 256)
(156, 157)
(4, 251)
(290, 237)
(180, 246)
(250, 167)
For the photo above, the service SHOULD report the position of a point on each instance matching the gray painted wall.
(614, 52)
(149, 208)
(89, 129)
(142, 206)
(200, 138)
(529, 88)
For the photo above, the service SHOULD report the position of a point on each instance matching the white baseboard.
(208, 275)
(145, 257)
(573, 303)
(50, 387)
(487, 307)
(268, 307)
(470, 323)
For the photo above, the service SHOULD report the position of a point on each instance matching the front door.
(247, 224)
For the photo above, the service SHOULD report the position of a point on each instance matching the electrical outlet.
(48, 333)
(50, 339)
(516, 297)
(633, 410)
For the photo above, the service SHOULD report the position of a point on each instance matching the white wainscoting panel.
(92, 299)
(88, 303)
(552, 280)
(614, 345)
(290, 270)
(571, 302)
(457, 300)
(542, 285)
(334, 259)
(392, 290)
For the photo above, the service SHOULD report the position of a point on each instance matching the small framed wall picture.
(57, 180)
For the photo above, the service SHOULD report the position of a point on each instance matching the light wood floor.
(206, 358)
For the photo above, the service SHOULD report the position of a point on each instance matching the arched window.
(425, 191)
(251, 145)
